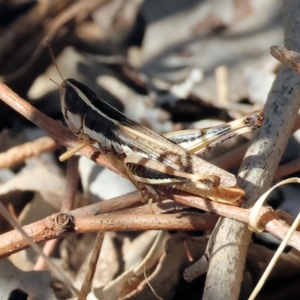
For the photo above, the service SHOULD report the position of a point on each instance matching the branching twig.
(12, 241)
(139, 218)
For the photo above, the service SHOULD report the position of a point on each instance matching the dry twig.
(84, 220)
(230, 239)
(87, 282)
(20, 153)
(67, 205)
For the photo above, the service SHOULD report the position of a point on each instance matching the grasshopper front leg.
(86, 141)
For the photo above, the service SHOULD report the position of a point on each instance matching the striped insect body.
(148, 159)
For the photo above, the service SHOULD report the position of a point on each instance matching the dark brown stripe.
(101, 105)
(185, 137)
(148, 173)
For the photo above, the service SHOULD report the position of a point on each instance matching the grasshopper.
(149, 160)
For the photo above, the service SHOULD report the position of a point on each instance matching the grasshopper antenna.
(54, 82)
(54, 60)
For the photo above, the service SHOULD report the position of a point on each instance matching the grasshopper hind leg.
(150, 195)
(147, 192)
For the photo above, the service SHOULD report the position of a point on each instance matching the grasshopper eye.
(69, 95)
(74, 106)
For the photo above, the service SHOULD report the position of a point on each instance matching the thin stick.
(222, 85)
(88, 279)
(288, 169)
(20, 153)
(67, 205)
(287, 57)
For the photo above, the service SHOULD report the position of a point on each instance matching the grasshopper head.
(73, 105)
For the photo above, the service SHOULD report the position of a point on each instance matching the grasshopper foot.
(148, 194)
